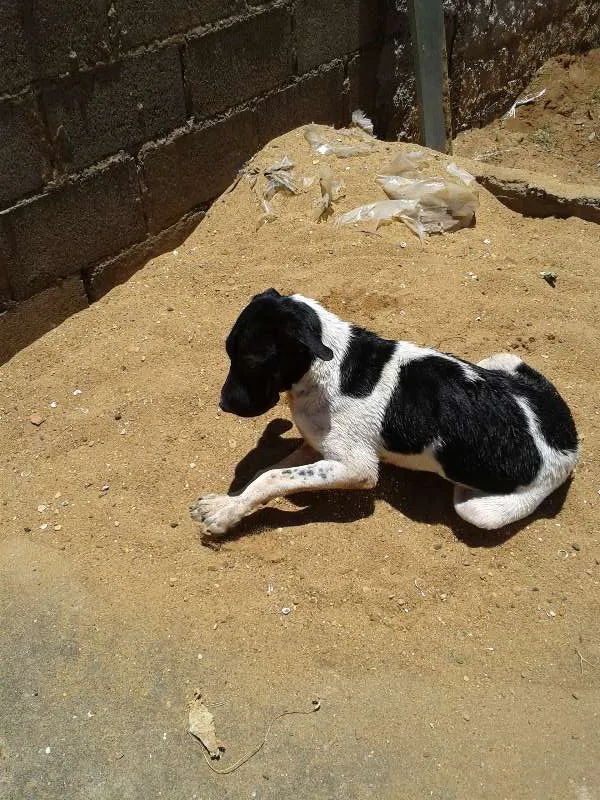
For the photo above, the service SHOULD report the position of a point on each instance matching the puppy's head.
(271, 346)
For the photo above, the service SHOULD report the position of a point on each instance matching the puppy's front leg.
(304, 454)
(219, 513)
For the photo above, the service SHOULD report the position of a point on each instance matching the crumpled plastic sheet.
(358, 142)
(360, 120)
(331, 190)
(425, 205)
(279, 178)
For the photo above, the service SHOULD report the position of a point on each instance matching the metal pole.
(429, 55)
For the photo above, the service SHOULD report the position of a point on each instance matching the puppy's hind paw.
(218, 513)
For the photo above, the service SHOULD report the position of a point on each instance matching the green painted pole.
(429, 56)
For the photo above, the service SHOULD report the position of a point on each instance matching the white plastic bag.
(425, 205)
(331, 190)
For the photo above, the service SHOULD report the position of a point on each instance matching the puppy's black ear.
(303, 325)
(267, 293)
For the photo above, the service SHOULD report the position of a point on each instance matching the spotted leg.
(219, 513)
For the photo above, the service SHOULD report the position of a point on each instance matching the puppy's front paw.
(218, 512)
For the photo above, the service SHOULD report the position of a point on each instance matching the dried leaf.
(201, 725)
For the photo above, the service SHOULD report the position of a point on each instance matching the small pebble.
(437, 546)
(36, 419)
(466, 717)
(58, 527)
(41, 508)
(27, 530)
(576, 546)
(174, 524)
(118, 415)
(286, 611)
(76, 392)
(53, 404)
(170, 308)
(105, 488)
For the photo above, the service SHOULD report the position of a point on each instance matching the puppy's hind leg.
(493, 511)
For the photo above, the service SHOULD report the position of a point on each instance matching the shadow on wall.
(382, 73)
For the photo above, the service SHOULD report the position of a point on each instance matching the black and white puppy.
(497, 429)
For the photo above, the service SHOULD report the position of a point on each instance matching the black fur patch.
(554, 416)
(364, 359)
(485, 440)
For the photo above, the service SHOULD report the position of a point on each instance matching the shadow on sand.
(420, 496)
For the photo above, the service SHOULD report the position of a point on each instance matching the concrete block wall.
(494, 48)
(120, 120)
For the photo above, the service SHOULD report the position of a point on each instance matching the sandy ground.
(559, 134)
(450, 664)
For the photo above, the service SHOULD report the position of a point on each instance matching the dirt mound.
(559, 134)
(388, 589)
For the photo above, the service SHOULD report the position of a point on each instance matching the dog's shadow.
(419, 496)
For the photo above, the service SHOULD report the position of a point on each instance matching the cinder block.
(243, 60)
(65, 35)
(317, 98)
(15, 65)
(24, 150)
(327, 30)
(144, 21)
(7, 261)
(96, 114)
(74, 225)
(194, 166)
(480, 33)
